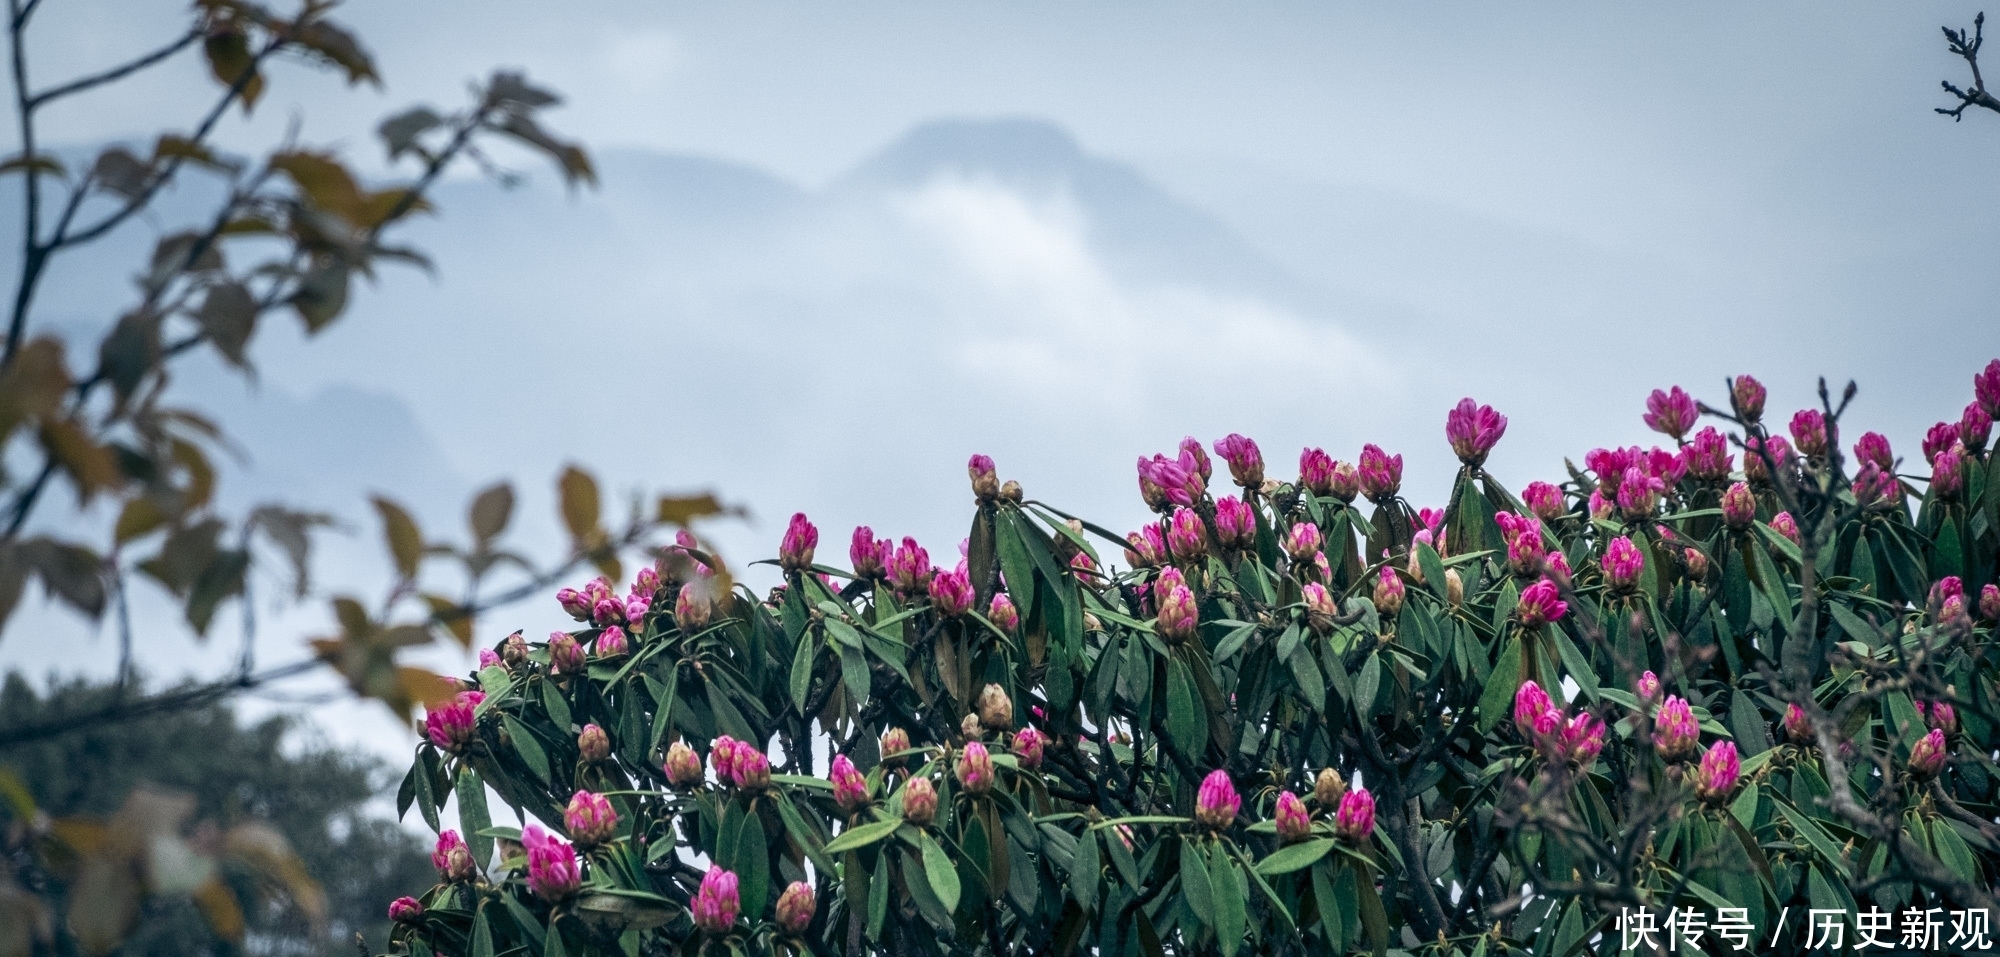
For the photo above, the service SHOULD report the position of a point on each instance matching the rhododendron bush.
(1746, 668)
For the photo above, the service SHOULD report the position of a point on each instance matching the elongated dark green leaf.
(1288, 859)
(1498, 697)
(472, 815)
(1195, 882)
(527, 747)
(802, 671)
(1083, 873)
(1231, 917)
(553, 703)
(942, 872)
(862, 835)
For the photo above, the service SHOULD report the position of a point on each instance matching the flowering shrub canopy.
(1302, 717)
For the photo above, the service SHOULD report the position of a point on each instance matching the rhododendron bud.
(1002, 613)
(1671, 413)
(576, 603)
(1246, 462)
(1948, 473)
(753, 768)
(1755, 468)
(1355, 820)
(693, 607)
(1873, 448)
(1473, 429)
(1739, 506)
(1609, 466)
(975, 768)
(450, 726)
(645, 583)
(1601, 507)
(1648, 687)
(1187, 538)
(1316, 471)
(1989, 603)
(722, 758)
(405, 910)
(1328, 788)
(1974, 427)
(1540, 603)
(1720, 769)
(488, 658)
(970, 728)
(996, 710)
(1545, 500)
(1381, 474)
(985, 484)
(553, 874)
(1530, 704)
(1388, 593)
(1193, 460)
(1290, 816)
(609, 611)
(1747, 394)
(683, 766)
(1556, 565)
(513, 649)
(1708, 456)
(1675, 731)
(1809, 432)
(795, 550)
(565, 655)
(1623, 561)
(452, 858)
(1582, 738)
(894, 741)
(1027, 747)
(1639, 493)
(611, 643)
(1318, 601)
(850, 789)
(593, 743)
(1947, 588)
(869, 557)
(1345, 482)
(1525, 554)
(919, 801)
(1180, 481)
(1697, 563)
(951, 592)
(1797, 728)
(795, 908)
(1874, 486)
(716, 904)
(1216, 803)
(1927, 756)
(1941, 715)
(1302, 541)
(1986, 388)
(1941, 436)
(1235, 522)
(1454, 587)
(1783, 524)
(590, 819)
(1178, 616)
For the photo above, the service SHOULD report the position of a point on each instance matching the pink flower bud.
(1873, 486)
(609, 611)
(574, 602)
(1178, 616)
(1544, 500)
(1164, 481)
(1610, 466)
(1783, 524)
(452, 858)
(1381, 474)
(553, 874)
(975, 768)
(1675, 731)
(1639, 493)
(1145, 547)
(450, 726)
(1927, 756)
(1797, 728)
(593, 743)
(513, 650)
(406, 910)
(1809, 432)
(1345, 483)
(850, 789)
(683, 766)
(611, 643)
(753, 768)
(1581, 738)
(1235, 522)
(1084, 568)
(869, 557)
(1948, 473)
(1028, 745)
(1739, 506)
(910, 568)
(565, 655)
(717, 903)
(1318, 601)
(1316, 471)
(1986, 388)
(722, 758)
(693, 607)
(1648, 687)
(1473, 430)
(1187, 538)
(996, 710)
(1531, 703)
(1388, 593)
(1974, 427)
(636, 610)
(1942, 716)
(1748, 396)
(1708, 456)
(1556, 566)
(1540, 604)
(894, 741)
(1193, 460)
(488, 658)
(795, 551)
(1246, 462)
(1697, 564)
(985, 482)
(1355, 820)
(645, 584)
(1601, 507)
(1989, 603)
(1670, 413)
(1525, 551)
(1623, 562)
(1290, 816)
(1002, 613)
(1328, 788)
(1302, 541)
(1755, 469)
(795, 908)
(951, 592)
(1216, 803)
(590, 819)
(1873, 448)
(1720, 770)
(919, 801)
(1941, 436)
(1946, 589)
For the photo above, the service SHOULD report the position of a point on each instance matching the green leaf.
(553, 703)
(1230, 917)
(1498, 697)
(1329, 911)
(862, 835)
(527, 747)
(1084, 870)
(1195, 883)
(1427, 559)
(1187, 726)
(751, 861)
(1367, 685)
(1288, 859)
(1374, 921)
(802, 671)
(472, 816)
(482, 935)
(943, 874)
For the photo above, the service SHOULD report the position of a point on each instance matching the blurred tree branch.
(1967, 47)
